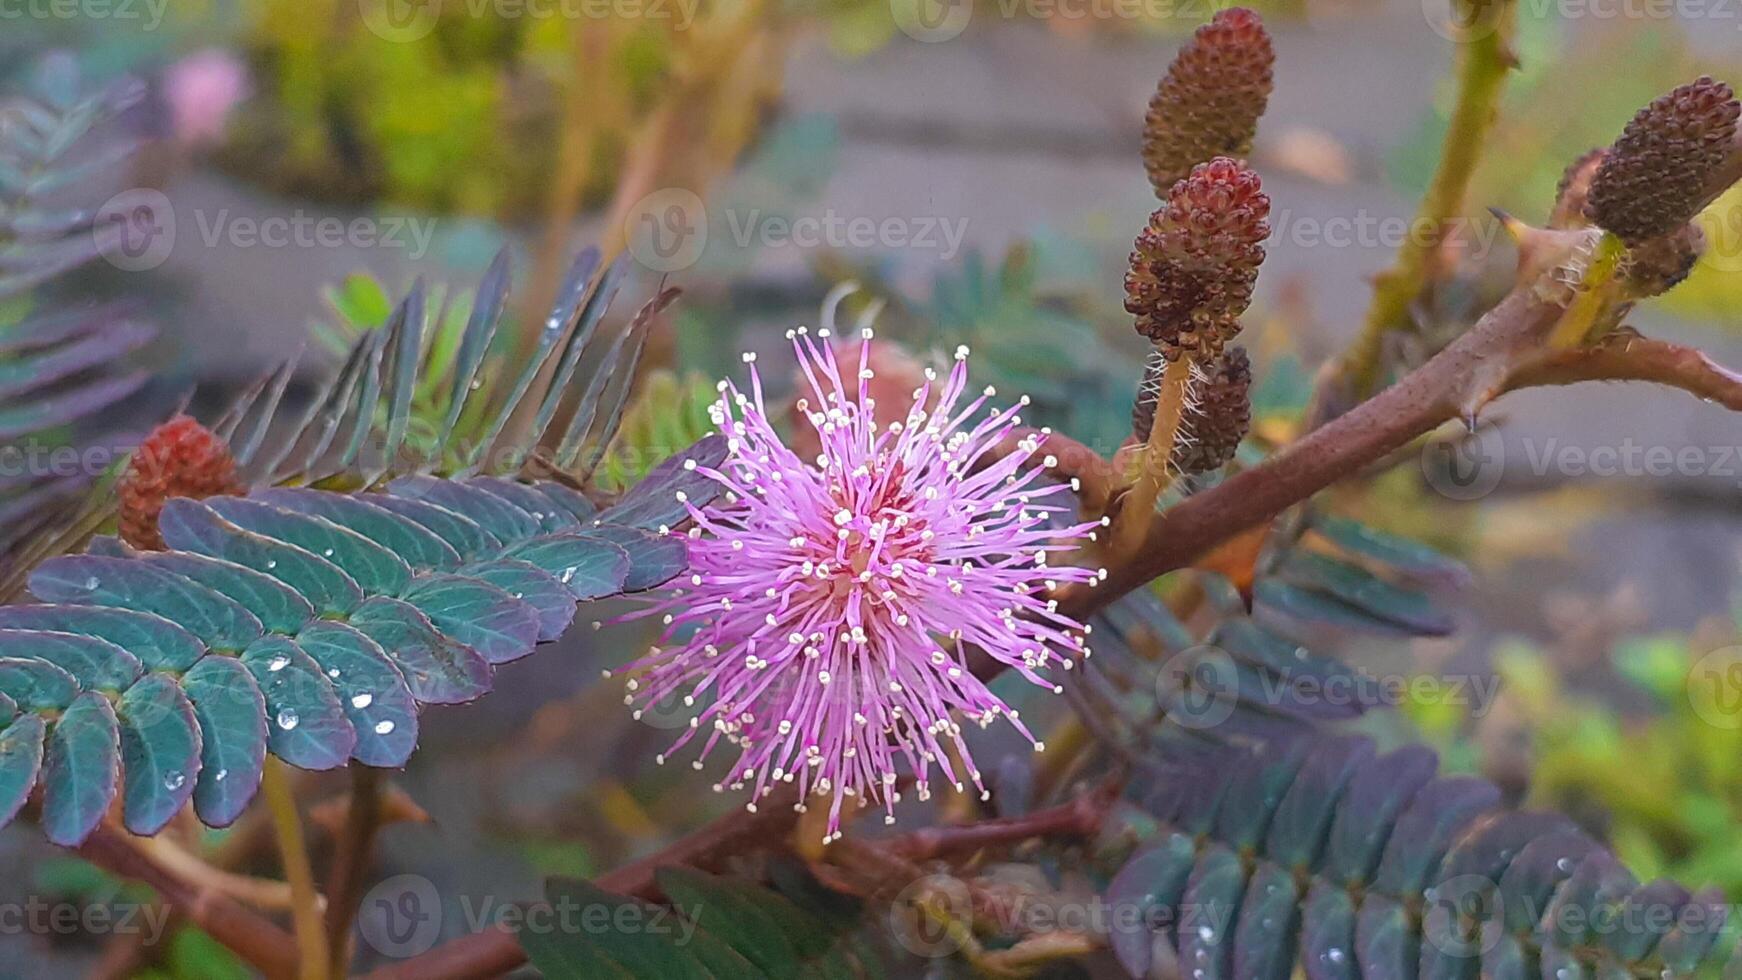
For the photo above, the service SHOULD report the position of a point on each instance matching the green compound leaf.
(35, 685)
(231, 713)
(97, 665)
(160, 753)
(220, 622)
(81, 770)
(306, 726)
(589, 566)
(156, 642)
(479, 615)
(20, 762)
(370, 689)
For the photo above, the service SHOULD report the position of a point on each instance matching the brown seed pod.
(1659, 265)
(1574, 190)
(1208, 103)
(1655, 177)
(1220, 415)
(1193, 268)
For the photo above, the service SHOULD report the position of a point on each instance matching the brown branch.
(257, 940)
(1455, 383)
(356, 842)
(1627, 356)
(1080, 817)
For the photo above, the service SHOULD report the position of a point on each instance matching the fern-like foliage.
(1261, 669)
(715, 927)
(59, 367)
(1322, 854)
(364, 577)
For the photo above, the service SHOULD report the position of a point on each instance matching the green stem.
(1483, 62)
(311, 937)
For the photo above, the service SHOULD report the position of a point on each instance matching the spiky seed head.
(180, 458)
(1660, 264)
(1209, 102)
(1220, 415)
(1574, 190)
(1193, 267)
(1653, 180)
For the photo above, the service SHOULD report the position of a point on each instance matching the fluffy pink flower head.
(823, 630)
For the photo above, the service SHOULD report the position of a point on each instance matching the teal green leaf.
(420, 547)
(189, 525)
(37, 686)
(654, 559)
(376, 570)
(468, 539)
(81, 770)
(158, 643)
(532, 585)
(20, 761)
(495, 515)
(305, 724)
(219, 622)
(160, 753)
(281, 609)
(97, 665)
(589, 567)
(481, 616)
(371, 690)
(232, 717)
(438, 670)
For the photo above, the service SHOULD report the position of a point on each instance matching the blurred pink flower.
(201, 89)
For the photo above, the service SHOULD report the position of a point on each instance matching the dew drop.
(288, 720)
(333, 672)
(91, 583)
(271, 563)
(1207, 934)
(328, 553)
(363, 700)
(174, 780)
(278, 663)
(1334, 955)
(569, 575)
(220, 775)
(383, 727)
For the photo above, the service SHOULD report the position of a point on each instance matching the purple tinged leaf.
(305, 724)
(1436, 817)
(81, 771)
(468, 538)
(160, 753)
(1368, 810)
(219, 622)
(21, 375)
(1150, 885)
(37, 686)
(97, 665)
(1264, 936)
(550, 517)
(420, 547)
(20, 761)
(502, 519)
(371, 690)
(66, 407)
(231, 713)
(438, 670)
(654, 559)
(652, 503)
(589, 567)
(478, 615)
(531, 584)
(280, 608)
(1327, 934)
(158, 643)
(190, 525)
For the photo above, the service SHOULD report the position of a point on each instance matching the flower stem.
(311, 938)
(1155, 471)
(1483, 63)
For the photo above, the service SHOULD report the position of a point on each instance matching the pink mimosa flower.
(823, 630)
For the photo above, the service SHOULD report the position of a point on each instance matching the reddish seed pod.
(180, 458)
(1193, 267)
